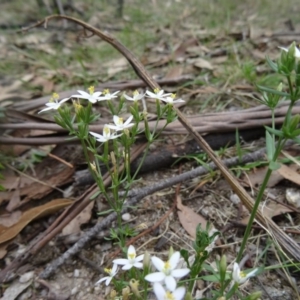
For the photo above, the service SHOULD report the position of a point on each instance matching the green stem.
(258, 200)
(291, 88)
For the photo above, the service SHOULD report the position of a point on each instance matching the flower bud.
(223, 264)
(134, 285)
(188, 296)
(125, 293)
(171, 252)
(279, 88)
(255, 296)
(113, 294)
(146, 260)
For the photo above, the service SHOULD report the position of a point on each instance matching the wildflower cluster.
(165, 282)
(166, 278)
(116, 138)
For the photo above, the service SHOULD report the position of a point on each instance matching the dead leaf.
(272, 209)
(189, 219)
(74, 226)
(10, 219)
(257, 176)
(174, 72)
(8, 233)
(289, 173)
(15, 289)
(115, 66)
(202, 64)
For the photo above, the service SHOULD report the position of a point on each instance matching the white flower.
(131, 261)
(107, 135)
(91, 96)
(167, 271)
(119, 123)
(297, 51)
(240, 277)
(161, 294)
(136, 96)
(158, 94)
(111, 273)
(170, 99)
(108, 95)
(54, 103)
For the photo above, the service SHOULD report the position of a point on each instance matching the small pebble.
(68, 192)
(76, 273)
(234, 198)
(74, 290)
(126, 217)
(26, 277)
(293, 197)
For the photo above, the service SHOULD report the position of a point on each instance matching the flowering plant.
(115, 141)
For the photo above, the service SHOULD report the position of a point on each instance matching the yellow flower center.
(243, 274)
(54, 97)
(156, 91)
(120, 121)
(93, 167)
(169, 296)
(107, 270)
(106, 91)
(91, 90)
(173, 96)
(106, 130)
(135, 93)
(167, 267)
(77, 106)
(131, 256)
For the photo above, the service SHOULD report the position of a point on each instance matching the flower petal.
(82, 94)
(117, 121)
(174, 259)
(97, 135)
(155, 277)
(120, 261)
(284, 49)
(140, 257)
(97, 94)
(159, 291)
(128, 266)
(158, 263)
(179, 293)
(128, 120)
(178, 273)
(131, 251)
(138, 265)
(108, 280)
(47, 108)
(252, 273)
(128, 97)
(236, 272)
(150, 94)
(114, 269)
(170, 283)
(63, 100)
(102, 279)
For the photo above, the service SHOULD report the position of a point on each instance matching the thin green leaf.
(274, 165)
(273, 91)
(274, 131)
(270, 146)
